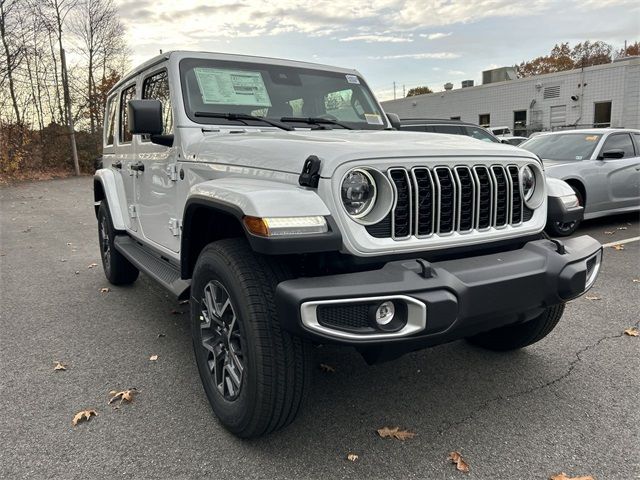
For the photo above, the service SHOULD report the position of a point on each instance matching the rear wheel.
(564, 229)
(255, 375)
(117, 269)
(513, 337)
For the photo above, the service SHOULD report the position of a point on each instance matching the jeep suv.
(277, 198)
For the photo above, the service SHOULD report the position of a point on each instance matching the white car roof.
(592, 131)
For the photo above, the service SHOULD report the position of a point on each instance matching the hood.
(286, 151)
(549, 162)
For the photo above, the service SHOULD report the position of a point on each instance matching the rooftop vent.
(467, 83)
(499, 75)
(448, 86)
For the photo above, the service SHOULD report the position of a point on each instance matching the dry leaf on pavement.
(327, 368)
(153, 358)
(460, 464)
(352, 457)
(105, 290)
(632, 332)
(92, 265)
(609, 233)
(618, 247)
(160, 335)
(84, 415)
(592, 297)
(386, 432)
(123, 396)
(60, 366)
(563, 476)
(183, 302)
(177, 312)
(622, 228)
(636, 280)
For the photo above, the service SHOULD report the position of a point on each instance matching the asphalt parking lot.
(567, 404)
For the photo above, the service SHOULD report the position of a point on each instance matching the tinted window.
(414, 128)
(564, 146)
(157, 87)
(111, 120)
(481, 134)
(619, 141)
(450, 129)
(127, 94)
(636, 137)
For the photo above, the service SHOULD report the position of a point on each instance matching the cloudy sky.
(411, 42)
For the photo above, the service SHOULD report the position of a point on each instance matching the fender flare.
(106, 179)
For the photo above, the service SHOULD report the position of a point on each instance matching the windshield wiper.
(242, 117)
(316, 121)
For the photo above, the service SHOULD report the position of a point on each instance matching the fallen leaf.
(327, 368)
(84, 415)
(386, 432)
(63, 259)
(460, 464)
(177, 312)
(183, 302)
(618, 247)
(609, 233)
(60, 366)
(92, 265)
(153, 358)
(632, 332)
(123, 396)
(352, 457)
(28, 229)
(563, 476)
(636, 280)
(77, 272)
(105, 290)
(160, 335)
(622, 228)
(592, 297)
(68, 244)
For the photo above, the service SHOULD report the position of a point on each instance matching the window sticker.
(352, 79)
(578, 157)
(373, 119)
(232, 87)
(591, 138)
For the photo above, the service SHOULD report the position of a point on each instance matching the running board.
(160, 270)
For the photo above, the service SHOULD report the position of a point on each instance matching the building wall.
(618, 82)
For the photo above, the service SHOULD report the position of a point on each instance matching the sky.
(409, 42)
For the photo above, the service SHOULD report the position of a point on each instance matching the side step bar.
(160, 270)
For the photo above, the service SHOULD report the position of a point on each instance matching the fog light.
(385, 313)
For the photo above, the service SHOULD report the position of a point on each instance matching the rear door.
(622, 176)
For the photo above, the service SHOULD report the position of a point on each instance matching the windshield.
(481, 134)
(295, 96)
(565, 146)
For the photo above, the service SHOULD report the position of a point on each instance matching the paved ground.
(569, 403)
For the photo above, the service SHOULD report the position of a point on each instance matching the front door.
(623, 174)
(155, 186)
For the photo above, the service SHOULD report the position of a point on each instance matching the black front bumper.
(558, 212)
(461, 297)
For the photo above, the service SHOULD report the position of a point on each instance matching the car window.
(414, 128)
(450, 129)
(127, 94)
(563, 146)
(636, 137)
(111, 120)
(480, 134)
(619, 141)
(156, 87)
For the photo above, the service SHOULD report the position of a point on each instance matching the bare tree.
(12, 48)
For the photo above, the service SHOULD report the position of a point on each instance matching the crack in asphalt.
(572, 365)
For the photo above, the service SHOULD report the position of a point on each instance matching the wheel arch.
(578, 184)
(105, 189)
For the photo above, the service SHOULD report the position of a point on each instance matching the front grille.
(444, 200)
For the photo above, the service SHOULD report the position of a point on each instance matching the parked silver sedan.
(601, 165)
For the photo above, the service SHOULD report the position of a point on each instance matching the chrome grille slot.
(466, 198)
(446, 217)
(516, 204)
(501, 196)
(424, 196)
(401, 213)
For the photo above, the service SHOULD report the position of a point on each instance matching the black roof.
(434, 121)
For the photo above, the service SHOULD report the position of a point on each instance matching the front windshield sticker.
(352, 79)
(578, 157)
(232, 87)
(591, 138)
(373, 119)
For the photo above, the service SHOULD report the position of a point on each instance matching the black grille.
(516, 203)
(466, 195)
(402, 212)
(446, 200)
(351, 317)
(382, 229)
(502, 196)
(424, 197)
(484, 197)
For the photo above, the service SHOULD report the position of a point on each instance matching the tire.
(274, 367)
(561, 229)
(513, 337)
(117, 269)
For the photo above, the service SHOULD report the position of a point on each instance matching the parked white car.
(277, 198)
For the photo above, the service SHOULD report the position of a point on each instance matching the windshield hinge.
(133, 213)
(175, 225)
(172, 172)
(310, 175)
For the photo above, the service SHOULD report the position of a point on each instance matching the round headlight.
(528, 182)
(358, 192)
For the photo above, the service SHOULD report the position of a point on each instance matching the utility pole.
(67, 101)
(394, 90)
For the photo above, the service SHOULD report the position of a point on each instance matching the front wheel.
(255, 375)
(512, 337)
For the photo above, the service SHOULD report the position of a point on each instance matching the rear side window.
(414, 128)
(127, 94)
(110, 121)
(450, 129)
(620, 141)
(156, 87)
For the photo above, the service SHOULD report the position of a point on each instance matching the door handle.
(138, 167)
(117, 164)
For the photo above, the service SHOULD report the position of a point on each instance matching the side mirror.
(505, 141)
(145, 118)
(394, 120)
(614, 153)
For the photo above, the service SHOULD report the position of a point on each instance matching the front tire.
(117, 269)
(255, 375)
(513, 337)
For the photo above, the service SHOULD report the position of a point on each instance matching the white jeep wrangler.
(277, 196)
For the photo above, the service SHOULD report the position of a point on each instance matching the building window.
(127, 94)
(455, 118)
(520, 123)
(484, 119)
(602, 115)
(558, 116)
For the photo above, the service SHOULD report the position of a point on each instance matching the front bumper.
(441, 301)
(558, 211)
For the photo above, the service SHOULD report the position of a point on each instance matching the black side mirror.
(145, 118)
(614, 153)
(394, 120)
